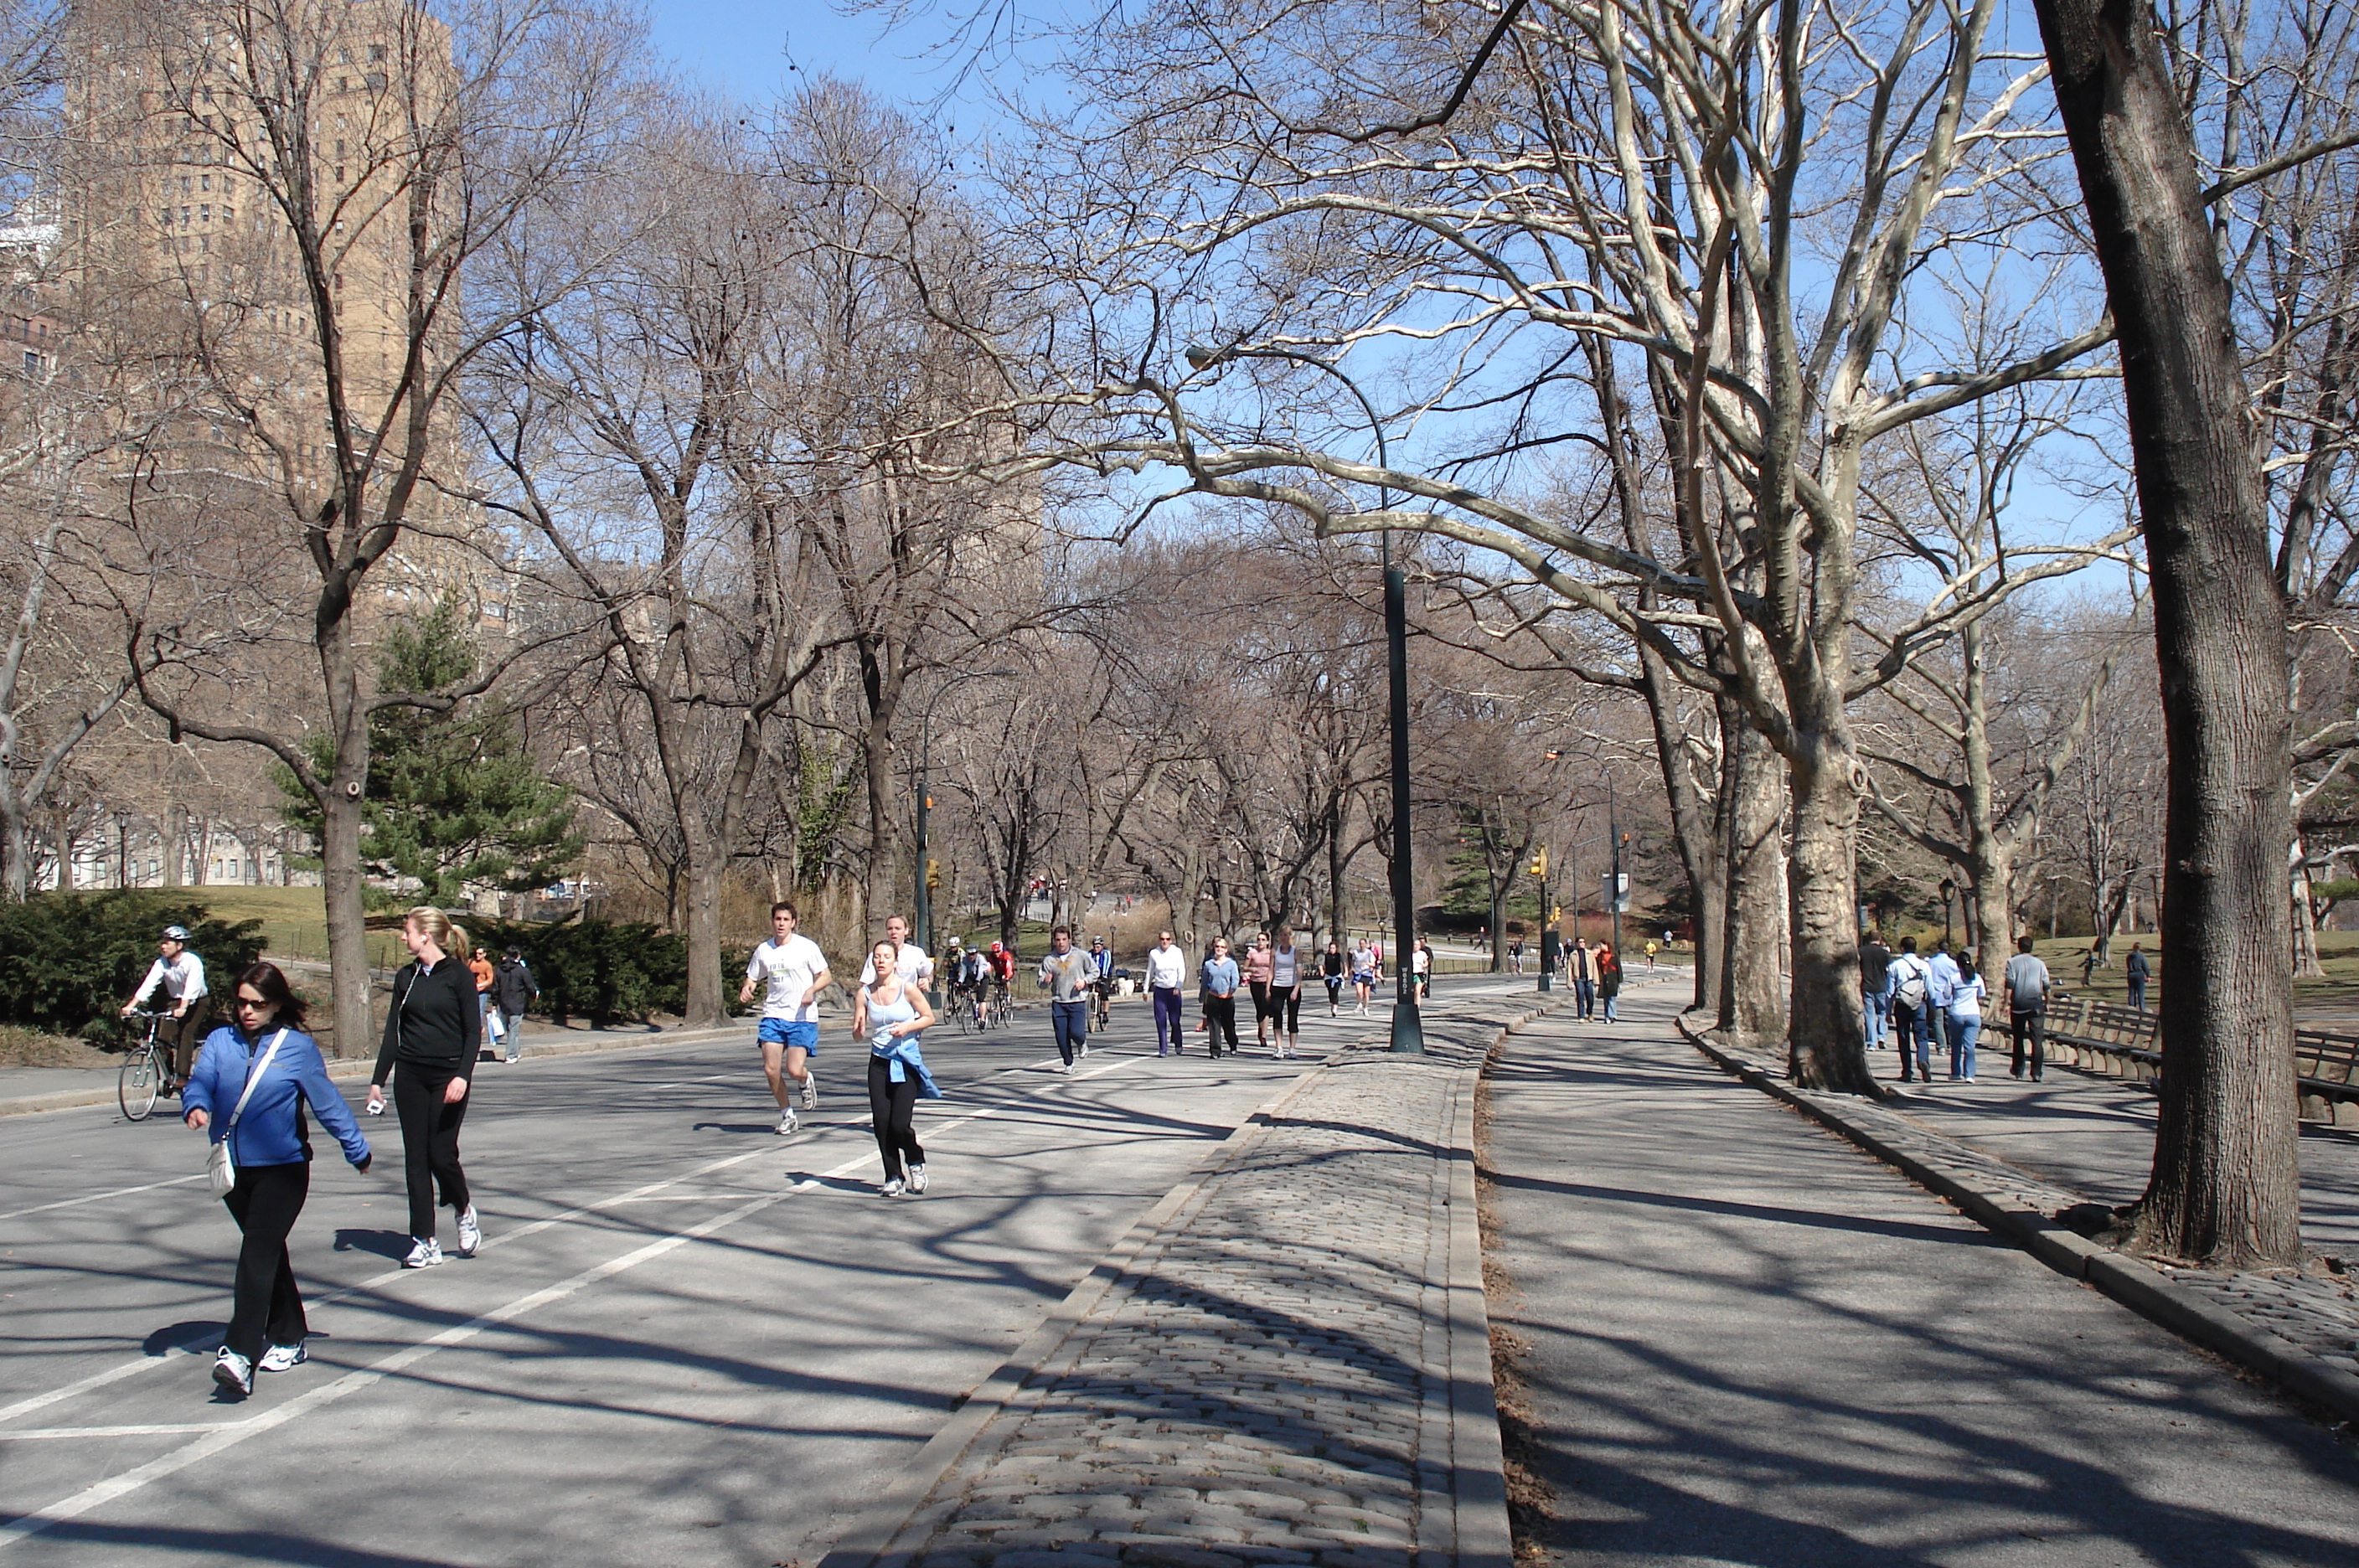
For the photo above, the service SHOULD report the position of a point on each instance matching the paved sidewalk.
(2095, 1136)
(1740, 1340)
(1286, 1363)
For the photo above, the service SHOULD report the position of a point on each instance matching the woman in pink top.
(1259, 960)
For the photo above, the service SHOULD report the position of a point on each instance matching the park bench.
(2119, 1041)
(2326, 1071)
(2103, 1037)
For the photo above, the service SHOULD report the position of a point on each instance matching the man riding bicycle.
(182, 976)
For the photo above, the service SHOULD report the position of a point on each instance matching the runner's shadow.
(179, 1335)
(768, 1127)
(383, 1242)
(830, 1183)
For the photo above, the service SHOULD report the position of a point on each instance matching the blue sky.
(750, 47)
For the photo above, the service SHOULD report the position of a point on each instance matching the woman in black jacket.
(432, 1032)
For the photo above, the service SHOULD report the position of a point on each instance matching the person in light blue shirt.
(891, 1013)
(265, 1059)
(1941, 977)
(1220, 979)
(1965, 1019)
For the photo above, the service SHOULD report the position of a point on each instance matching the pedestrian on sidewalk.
(1651, 950)
(514, 989)
(793, 972)
(891, 1013)
(1220, 980)
(1331, 971)
(1364, 973)
(1167, 971)
(1940, 979)
(1966, 1019)
(1609, 977)
(2136, 971)
(486, 976)
(1875, 987)
(1515, 955)
(1258, 963)
(433, 1033)
(1580, 967)
(1911, 1035)
(1424, 960)
(2028, 986)
(1285, 993)
(1066, 973)
(254, 1075)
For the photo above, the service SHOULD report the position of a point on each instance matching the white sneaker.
(785, 1124)
(471, 1232)
(891, 1189)
(234, 1372)
(281, 1358)
(811, 1091)
(1085, 1048)
(423, 1254)
(917, 1178)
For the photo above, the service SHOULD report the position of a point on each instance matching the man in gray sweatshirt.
(2026, 1006)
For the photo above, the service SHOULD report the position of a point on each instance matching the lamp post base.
(1408, 1029)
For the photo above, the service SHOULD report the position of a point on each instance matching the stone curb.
(891, 1531)
(2135, 1284)
(347, 1069)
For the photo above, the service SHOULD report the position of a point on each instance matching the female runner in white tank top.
(1286, 991)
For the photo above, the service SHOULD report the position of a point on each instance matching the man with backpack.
(1912, 1032)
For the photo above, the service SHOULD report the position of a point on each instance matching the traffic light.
(1556, 914)
(1539, 861)
(933, 872)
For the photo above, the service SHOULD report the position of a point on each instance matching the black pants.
(176, 1040)
(893, 1110)
(1286, 1008)
(1221, 1012)
(268, 1306)
(1334, 991)
(430, 1141)
(2034, 1028)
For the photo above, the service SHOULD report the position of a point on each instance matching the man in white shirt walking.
(1167, 971)
(795, 972)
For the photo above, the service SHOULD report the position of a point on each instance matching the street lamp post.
(1407, 1026)
(1613, 893)
(122, 849)
(1947, 889)
(924, 909)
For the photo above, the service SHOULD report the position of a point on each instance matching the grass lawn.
(2338, 952)
(294, 921)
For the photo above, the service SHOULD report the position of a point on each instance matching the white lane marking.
(165, 1429)
(100, 1197)
(637, 1195)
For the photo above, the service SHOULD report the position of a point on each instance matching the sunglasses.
(253, 1002)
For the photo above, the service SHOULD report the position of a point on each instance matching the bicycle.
(962, 1010)
(998, 1013)
(1102, 1016)
(142, 1078)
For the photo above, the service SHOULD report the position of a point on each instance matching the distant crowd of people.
(1936, 1002)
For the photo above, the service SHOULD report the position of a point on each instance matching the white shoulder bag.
(220, 1169)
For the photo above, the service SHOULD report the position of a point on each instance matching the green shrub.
(68, 961)
(594, 967)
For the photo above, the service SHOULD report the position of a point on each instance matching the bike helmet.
(996, 948)
(176, 933)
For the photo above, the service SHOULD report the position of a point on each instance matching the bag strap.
(253, 1077)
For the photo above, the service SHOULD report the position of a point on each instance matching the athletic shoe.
(891, 1189)
(514, 1060)
(281, 1358)
(423, 1254)
(471, 1232)
(1062, 1067)
(1085, 1048)
(1163, 1051)
(234, 1372)
(811, 1090)
(785, 1124)
(917, 1178)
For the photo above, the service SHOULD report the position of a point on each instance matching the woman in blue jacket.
(272, 1149)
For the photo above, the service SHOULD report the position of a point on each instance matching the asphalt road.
(1740, 1340)
(685, 1340)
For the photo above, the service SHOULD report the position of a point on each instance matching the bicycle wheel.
(136, 1087)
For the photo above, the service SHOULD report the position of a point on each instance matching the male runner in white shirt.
(796, 972)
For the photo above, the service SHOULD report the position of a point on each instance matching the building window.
(340, 174)
(32, 363)
(376, 80)
(204, 181)
(206, 213)
(376, 51)
(343, 85)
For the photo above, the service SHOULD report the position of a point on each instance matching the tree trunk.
(340, 885)
(702, 1002)
(18, 849)
(2305, 923)
(176, 847)
(1754, 990)
(1825, 1031)
(2225, 1190)
(63, 836)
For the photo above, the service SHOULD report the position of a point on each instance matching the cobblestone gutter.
(2299, 1332)
(1288, 1361)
